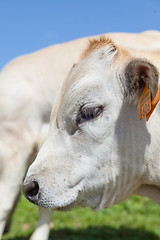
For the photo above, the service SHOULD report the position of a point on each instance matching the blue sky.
(28, 25)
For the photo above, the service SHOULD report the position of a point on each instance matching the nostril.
(31, 190)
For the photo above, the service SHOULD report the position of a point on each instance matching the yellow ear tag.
(146, 106)
(145, 102)
(154, 104)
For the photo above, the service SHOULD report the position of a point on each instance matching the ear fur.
(137, 74)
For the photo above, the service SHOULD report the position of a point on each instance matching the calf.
(98, 152)
(28, 88)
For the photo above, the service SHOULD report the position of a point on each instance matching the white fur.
(28, 87)
(102, 161)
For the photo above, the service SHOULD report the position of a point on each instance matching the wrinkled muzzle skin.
(97, 149)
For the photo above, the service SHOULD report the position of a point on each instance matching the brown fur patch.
(96, 44)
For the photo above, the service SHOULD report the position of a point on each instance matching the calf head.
(95, 153)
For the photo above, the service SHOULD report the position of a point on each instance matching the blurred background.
(26, 26)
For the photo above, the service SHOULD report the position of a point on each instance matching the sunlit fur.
(101, 162)
(97, 43)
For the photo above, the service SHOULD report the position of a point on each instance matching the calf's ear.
(138, 73)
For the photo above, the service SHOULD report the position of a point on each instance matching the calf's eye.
(88, 113)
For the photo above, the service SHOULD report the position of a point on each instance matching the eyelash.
(86, 114)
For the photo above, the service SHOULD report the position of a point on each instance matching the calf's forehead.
(91, 77)
(92, 89)
(90, 64)
(90, 73)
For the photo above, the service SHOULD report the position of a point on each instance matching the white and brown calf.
(78, 134)
(98, 152)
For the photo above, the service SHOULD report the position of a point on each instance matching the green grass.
(135, 219)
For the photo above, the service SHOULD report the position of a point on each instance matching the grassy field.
(135, 219)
